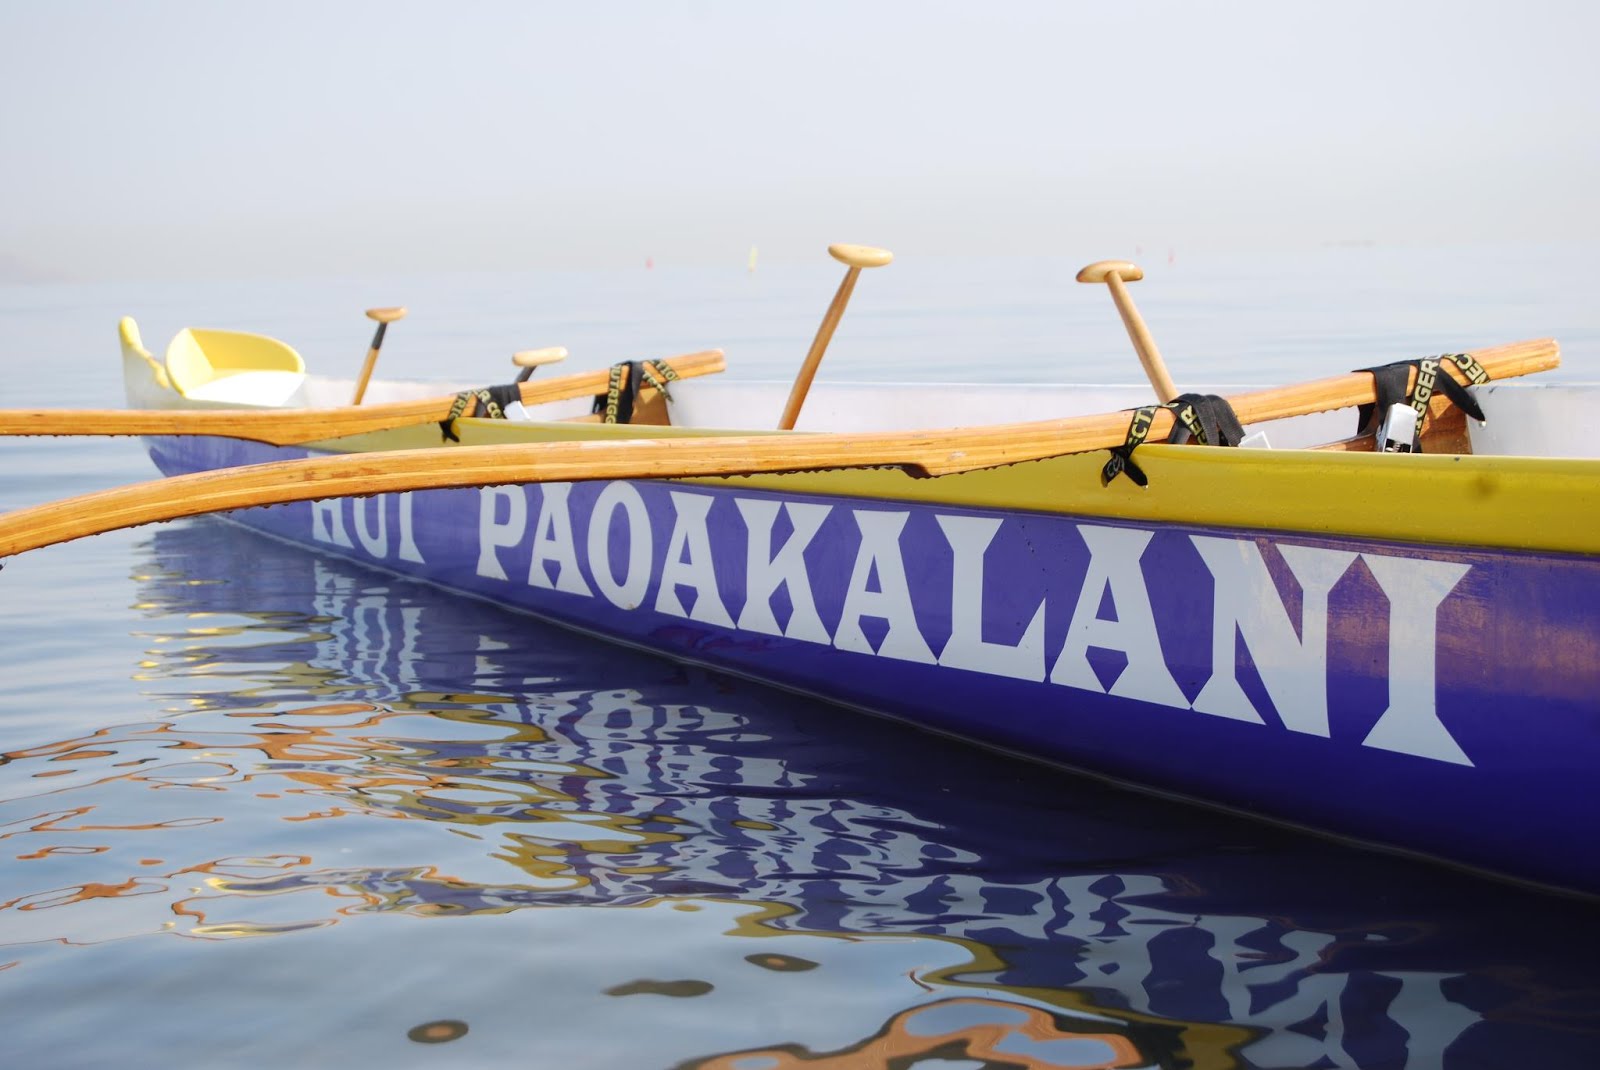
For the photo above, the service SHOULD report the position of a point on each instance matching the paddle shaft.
(384, 317)
(1155, 369)
(819, 346)
(854, 257)
(1116, 274)
(928, 453)
(289, 427)
(370, 363)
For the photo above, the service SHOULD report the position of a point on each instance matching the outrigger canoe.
(1400, 648)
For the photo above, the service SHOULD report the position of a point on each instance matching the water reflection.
(331, 758)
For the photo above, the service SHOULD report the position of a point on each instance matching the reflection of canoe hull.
(741, 796)
(1359, 686)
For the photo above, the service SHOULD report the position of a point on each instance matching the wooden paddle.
(1114, 273)
(920, 453)
(1444, 430)
(384, 316)
(857, 257)
(289, 427)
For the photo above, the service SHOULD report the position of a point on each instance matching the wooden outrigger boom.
(926, 453)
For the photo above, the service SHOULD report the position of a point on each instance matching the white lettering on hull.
(1114, 556)
(689, 564)
(374, 542)
(879, 555)
(553, 544)
(766, 571)
(327, 523)
(1290, 657)
(408, 533)
(1245, 605)
(969, 537)
(1410, 724)
(370, 518)
(495, 534)
(628, 592)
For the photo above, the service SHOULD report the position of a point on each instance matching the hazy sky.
(174, 139)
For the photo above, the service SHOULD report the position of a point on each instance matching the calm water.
(260, 808)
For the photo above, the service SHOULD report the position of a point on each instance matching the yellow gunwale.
(1517, 503)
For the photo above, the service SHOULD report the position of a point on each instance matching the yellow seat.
(233, 366)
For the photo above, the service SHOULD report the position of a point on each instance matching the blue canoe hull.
(1428, 699)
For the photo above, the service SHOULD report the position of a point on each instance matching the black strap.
(1455, 391)
(488, 401)
(1204, 418)
(1392, 380)
(659, 373)
(1122, 456)
(499, 400)
(616, 405)
(1390, 383)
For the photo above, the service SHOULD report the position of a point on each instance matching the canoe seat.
(234, 367)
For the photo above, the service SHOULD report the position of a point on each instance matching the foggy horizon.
(181, 139)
